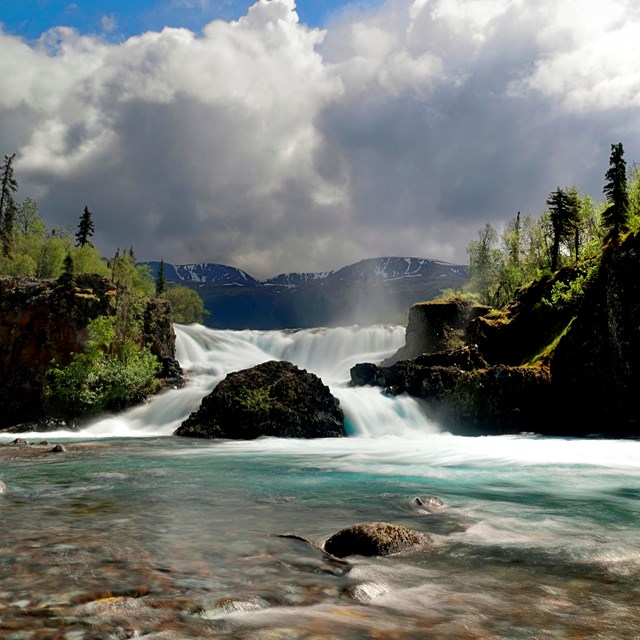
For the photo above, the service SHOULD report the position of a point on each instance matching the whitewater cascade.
(208, 355)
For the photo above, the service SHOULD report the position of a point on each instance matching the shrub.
(106, 375)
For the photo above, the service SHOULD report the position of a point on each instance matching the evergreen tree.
(616, 216)
(85, 228)
(8, 206)
(161, 282)
(67, 278)
(9, 184)
(564, 211)
(7, 228)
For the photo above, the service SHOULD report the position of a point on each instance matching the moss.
(543, 357)
(86, 296)
(255, 399)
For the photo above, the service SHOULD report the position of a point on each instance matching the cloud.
(272, 146)
(109, 23)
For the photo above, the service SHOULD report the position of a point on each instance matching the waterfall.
(208, 355)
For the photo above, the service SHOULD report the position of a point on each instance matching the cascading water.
(207, 355)
(537, 537)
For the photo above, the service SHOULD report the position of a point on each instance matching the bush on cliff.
(107, 375)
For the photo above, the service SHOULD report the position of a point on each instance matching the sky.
(278, 136)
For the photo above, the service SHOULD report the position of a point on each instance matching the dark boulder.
(375, 539)
(271, 399)
(438, 325)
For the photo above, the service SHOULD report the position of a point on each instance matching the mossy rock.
(271, 399)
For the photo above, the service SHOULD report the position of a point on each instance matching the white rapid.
(208, 355)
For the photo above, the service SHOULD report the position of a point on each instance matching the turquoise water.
(136, 533)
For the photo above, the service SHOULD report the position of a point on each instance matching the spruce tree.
(161, 282)
(67, 278)
(8, 206)
(616, 216)
(564, 210)
(85, 228)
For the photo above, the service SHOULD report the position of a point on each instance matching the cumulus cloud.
(272, 146)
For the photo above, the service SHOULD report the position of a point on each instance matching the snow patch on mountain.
(367, 270)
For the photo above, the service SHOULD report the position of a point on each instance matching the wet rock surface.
(272, 399)
(375, 539)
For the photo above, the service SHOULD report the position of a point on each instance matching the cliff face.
(569, 369)
(436, 326)
(596, 366)
(40, 322)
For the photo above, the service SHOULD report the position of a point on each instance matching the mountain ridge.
(374, 269)
(370, 291)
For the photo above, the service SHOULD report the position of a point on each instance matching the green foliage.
(107, 374)
(567, 293)
(255, 399)
(28, 222)
(126, 275)
(114, 367)
(571, 231)
(87, 259)
(447, 294)
(633, 180)
(186, 304)
(18, 265)
(484, 262)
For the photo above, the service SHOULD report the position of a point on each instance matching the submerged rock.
(3, 487)
(429, 503)
(375, 539)
(271, 399)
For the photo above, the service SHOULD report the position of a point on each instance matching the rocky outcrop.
(522, 330)
(271, 399)
(434, 326)
(492, 399)
(375, 539)
(41, 322)
(570, 367)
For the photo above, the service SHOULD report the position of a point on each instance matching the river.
(136, 533)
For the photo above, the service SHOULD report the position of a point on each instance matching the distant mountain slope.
(204, 273)
(385, 269)
(370, 291)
